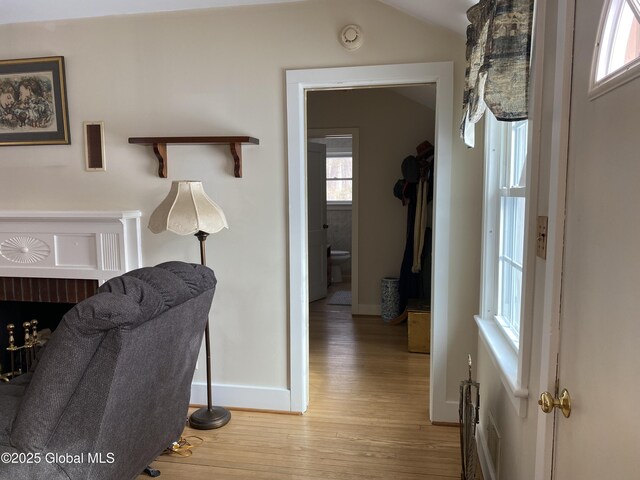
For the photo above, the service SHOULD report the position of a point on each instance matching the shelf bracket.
(236, 153)
(160, 149)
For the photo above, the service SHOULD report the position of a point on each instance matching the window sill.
(335, 206)
(505, 360)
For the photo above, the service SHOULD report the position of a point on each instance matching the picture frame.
(94, 154)
(33, 102)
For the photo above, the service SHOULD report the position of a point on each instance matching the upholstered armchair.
(111, 389)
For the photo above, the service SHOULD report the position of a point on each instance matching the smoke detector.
(351, 37)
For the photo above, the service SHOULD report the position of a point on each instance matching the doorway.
(299, 82)
(339, 184)
(368, 203)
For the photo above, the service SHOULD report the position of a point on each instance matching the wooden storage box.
(419, 327)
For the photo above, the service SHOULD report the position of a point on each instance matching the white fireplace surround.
(96, 245)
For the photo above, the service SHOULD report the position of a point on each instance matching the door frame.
(355, 155)
(557, 190)
(297, 83)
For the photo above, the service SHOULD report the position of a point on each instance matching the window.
(506, 191)
(512, 188)
(339, 168)
(339, 178)
(618, 46)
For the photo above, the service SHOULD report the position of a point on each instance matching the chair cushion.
(10, 399)
(116, 374)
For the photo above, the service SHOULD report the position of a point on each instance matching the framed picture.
(94, 146)
(33, 102)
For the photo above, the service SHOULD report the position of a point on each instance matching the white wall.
(223, 72)
(390, 127)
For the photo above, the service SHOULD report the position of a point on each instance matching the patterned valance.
(498, 53)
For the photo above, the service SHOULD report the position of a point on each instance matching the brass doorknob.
(548, 403)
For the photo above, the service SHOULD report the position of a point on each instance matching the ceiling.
(446, 13)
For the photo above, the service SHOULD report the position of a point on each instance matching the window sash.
(510, 299)
(340, 195)
(608, 66)
(340, 167)
(508, 198)
(618, 49)
(340, 174)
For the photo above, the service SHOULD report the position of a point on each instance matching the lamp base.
(205, 419)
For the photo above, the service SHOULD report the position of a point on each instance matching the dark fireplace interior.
(26, 299)
(47, 314)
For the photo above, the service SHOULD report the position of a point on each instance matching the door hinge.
(541, 232)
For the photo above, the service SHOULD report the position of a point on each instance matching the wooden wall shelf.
(159, 145)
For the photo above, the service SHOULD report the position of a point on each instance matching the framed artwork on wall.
(94, 146)
(33, 102)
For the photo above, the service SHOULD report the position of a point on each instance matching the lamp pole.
(212, 416)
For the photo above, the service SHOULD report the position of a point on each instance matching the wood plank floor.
(367, 417)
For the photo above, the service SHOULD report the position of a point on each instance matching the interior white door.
(599, 327)
(317, 219)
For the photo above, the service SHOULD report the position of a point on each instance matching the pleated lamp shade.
(187, 210)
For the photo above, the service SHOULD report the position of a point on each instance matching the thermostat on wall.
(351, 37)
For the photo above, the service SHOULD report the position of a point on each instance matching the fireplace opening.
(23, 300)
(48, 316)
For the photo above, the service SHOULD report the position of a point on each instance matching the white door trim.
(298, 81)
(355, 155)
(550, 345)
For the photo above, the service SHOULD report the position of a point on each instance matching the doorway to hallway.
(299, 83)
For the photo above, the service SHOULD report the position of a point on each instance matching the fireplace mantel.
(95, 245)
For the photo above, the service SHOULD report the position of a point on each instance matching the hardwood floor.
(367, 417)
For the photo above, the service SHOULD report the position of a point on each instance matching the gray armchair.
(112, 387)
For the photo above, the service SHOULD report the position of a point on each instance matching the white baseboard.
(488, 472)
(445, 412)
(369, 309)
(238, 396)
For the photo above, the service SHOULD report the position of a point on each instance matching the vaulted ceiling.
(447, 13)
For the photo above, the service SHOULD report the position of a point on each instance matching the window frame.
(510, 358)
(603, 46)
(327, 179)
(507, 189)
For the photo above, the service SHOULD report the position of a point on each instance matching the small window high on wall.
(617, 53)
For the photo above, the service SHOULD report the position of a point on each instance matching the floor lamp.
(188, 210)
